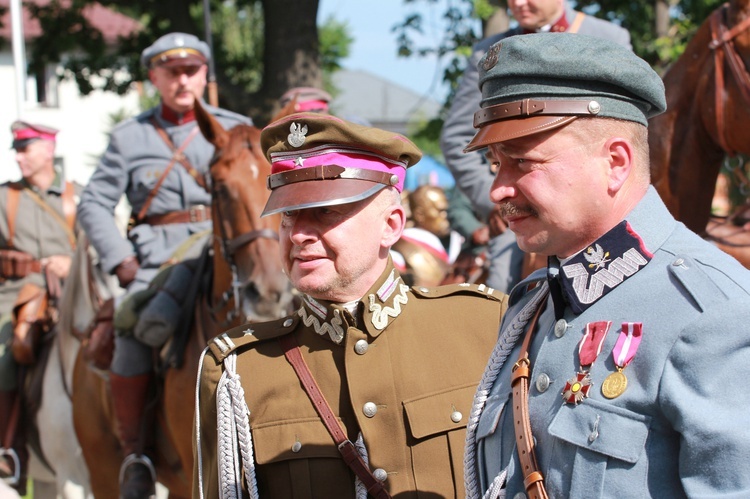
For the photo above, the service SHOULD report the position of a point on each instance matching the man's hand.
(58, 265)
(126, 270)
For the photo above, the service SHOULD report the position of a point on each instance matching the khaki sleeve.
(205, 465)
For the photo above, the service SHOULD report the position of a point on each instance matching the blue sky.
(374, 47)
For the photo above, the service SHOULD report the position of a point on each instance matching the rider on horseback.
(158, 160)
(37, 218)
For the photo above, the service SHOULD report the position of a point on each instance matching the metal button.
(456, 416)
(520, 495)
(380, 474)
(423, 290)
(678, 262)
(288, 322)
(561, 327)
(361, 347)
(297, 447)
(370, 409)
(593, 436)
(594, 107)
(542, 383)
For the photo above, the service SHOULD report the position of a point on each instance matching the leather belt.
(17, 264)
(533, 480)
(199, 213)
(328, 172)
(348, 452)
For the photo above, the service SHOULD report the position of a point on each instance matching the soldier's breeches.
(131, 357)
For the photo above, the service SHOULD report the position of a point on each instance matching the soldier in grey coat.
(633, 382)
(159, 160)
(471, 171)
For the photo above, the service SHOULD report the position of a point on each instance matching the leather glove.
(126, 269)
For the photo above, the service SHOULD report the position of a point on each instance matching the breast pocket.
(605, 445)
(437, 426)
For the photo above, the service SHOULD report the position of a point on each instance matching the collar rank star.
(603, 266)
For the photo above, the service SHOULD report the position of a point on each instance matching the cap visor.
(312, 194)
(500, 131)
(20, 144)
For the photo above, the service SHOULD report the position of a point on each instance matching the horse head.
(250, 274)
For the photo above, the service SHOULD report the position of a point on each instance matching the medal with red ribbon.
(627, 345)
(577, 388)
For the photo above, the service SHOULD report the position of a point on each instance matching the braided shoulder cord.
(359, 487)
(198, 423)
(500, 353)
(234, 431)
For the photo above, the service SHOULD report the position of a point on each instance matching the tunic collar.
(380, 306)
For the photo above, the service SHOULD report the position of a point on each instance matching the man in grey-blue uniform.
(633, 382)
(471, 171)
(158, 160)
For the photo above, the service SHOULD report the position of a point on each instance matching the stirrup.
(13, 455)
(135, 459)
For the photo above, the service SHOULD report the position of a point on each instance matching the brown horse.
(708, 114)
(246, 284)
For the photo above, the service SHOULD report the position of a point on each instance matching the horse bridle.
(723, 47)
(229, 246)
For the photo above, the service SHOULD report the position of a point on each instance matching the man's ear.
(620, 154)
(395, 221)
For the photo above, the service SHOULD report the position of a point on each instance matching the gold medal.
(614, 385)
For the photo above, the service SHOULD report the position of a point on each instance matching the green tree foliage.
(239, 34)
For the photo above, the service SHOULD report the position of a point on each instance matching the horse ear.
(210, 127)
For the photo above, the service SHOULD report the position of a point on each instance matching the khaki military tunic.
(401, 371)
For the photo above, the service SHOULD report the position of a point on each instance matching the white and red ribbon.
(627, 343)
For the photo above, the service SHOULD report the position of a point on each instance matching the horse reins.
(723, 46)
(229, 247)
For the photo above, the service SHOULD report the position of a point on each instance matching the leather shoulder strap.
(345, 446)
(11, 210)
(573, 28)
(178, 153)
(69, 205)
(533, 480)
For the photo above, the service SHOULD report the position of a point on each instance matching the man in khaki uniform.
(37, 218)
(396, 365)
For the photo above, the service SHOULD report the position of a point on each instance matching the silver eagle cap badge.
(297, 136)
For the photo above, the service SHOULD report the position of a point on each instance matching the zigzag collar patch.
(602, 266)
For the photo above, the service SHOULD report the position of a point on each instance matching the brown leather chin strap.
(533, 480)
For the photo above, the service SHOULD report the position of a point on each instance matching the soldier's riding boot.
(13, 457)
(129, 398)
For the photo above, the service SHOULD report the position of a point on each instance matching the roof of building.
(112, 24)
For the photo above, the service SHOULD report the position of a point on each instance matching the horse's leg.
(55, 426)
(93, 425)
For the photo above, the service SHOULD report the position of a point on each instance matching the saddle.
(32, 319)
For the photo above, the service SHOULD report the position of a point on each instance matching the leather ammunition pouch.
(17, 264)
(31, 321)
(99, 346)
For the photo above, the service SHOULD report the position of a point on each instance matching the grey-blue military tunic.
(682, 426)
(132, 165)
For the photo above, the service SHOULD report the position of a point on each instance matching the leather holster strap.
(533, 480)
(199, 213)
(329, 172)
(346, 448)
(532, 107)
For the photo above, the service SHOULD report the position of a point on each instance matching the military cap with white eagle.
(321, 160)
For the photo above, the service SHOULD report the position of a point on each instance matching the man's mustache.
(509, 209)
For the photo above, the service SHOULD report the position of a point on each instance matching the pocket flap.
(295, 439)
(603, 428)
(439, 412)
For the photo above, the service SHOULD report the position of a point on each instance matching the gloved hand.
(126, 270)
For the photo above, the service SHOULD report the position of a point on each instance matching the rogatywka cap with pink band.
(321, 160)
